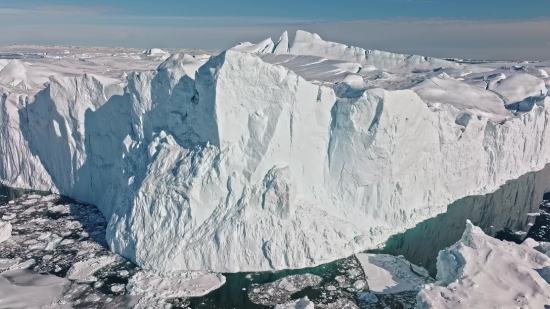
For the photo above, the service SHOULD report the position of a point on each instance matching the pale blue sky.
(504, 29)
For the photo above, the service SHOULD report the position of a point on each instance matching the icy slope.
(483, 272)
(247, 165)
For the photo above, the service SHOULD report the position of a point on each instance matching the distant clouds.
(514, 39)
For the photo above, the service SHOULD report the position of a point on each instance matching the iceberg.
(483, 272)
(270, 157)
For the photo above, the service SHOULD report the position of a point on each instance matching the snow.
(302, 303)
(5, 231)
(388, 274)
(269, 159)
(482, 272)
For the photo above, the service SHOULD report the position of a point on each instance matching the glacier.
(272, 155)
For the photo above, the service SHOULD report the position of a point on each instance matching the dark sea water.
(508, 213)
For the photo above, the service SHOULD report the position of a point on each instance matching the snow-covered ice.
(269, 156)
(483, 272)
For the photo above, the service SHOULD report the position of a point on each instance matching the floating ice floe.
(387, 274)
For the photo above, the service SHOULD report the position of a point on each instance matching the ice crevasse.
(247, 166)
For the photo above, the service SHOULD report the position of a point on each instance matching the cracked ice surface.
(271, 156)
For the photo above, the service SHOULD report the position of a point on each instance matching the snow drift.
(246, 165)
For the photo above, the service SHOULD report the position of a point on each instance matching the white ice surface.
(260, 161)
(483, 272)
(387, 274)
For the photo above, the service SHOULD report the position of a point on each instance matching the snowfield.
(267, 156)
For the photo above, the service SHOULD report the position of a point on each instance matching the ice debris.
(279, 291)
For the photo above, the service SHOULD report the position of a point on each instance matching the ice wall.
(247, 166)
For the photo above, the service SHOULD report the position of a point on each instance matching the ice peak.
(15, 72)
(282, 46)
(264, 47)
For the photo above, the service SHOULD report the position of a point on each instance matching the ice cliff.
(272, 156)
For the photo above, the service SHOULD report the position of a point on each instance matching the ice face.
(233, 163)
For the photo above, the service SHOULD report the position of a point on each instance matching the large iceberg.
(273, 156)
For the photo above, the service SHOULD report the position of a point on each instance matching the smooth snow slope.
(247, 165)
